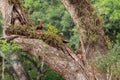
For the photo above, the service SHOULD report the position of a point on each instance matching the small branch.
(3, 67)
(11, 37)
(11, 72)
(83, 49)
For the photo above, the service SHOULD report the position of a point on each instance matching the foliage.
(51, 12)
(7, 77)
(74, 40)
(52, 29)
(109, 9)
(8, 48)
(110, 63)
(118, 37)
(51, 75)
(1, 23)
(30, 67)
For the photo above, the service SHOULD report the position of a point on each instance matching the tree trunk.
(16, 65)
(63, 60)
(92, 38)
(18, 68)
(89, 25)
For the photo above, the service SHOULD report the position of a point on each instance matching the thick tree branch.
(57, 59)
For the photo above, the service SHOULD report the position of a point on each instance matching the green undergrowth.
(110, 63)
(8, 48)
(48, 37)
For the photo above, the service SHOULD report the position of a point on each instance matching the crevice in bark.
(19, 13)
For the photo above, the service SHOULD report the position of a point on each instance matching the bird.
(40, 25)
(63, 39)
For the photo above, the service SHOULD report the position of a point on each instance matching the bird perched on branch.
(63, 39)
(40, 25)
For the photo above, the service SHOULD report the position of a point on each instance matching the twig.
(3, 68)
(11, 37)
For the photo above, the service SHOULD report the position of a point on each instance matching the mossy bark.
(89, 25)
(92, 37)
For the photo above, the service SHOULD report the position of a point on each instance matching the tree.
(54, 52)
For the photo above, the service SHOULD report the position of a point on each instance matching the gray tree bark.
(18, 68)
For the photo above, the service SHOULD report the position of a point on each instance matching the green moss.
(52, 39)
(15, 1)
(90, 23)
(48, 37)
(109, 43)
(41, 40)
(19, 4)
(93, 36)
(41, 51)
(8, 48)
(46, 46)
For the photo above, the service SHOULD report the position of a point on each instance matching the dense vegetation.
(55, 18)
